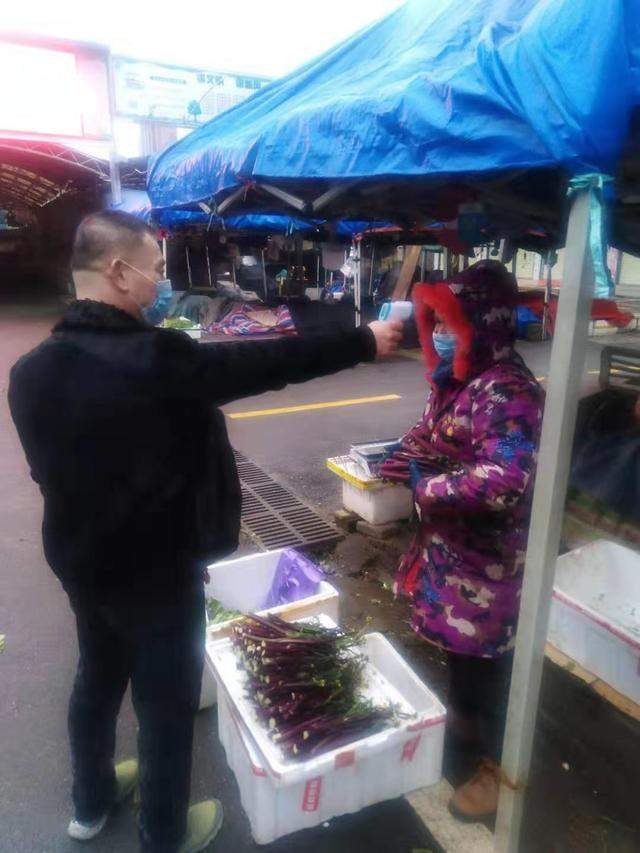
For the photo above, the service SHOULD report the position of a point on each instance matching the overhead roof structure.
(37, 173)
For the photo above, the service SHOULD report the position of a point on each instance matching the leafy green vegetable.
(179, 323)
(216, 613)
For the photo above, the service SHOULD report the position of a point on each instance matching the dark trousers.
(479, 694)
(159, 647)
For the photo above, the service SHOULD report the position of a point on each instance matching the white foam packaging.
(372, 499)
(595, 613)
(281, 796)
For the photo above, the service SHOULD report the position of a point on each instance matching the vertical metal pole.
(318, 274)
(618, 270)
(114, 166)
(548, 295)
(357, 295)
(206, 248)
(446, 263)
(373, 257)
(567, 364)
(264, 276)
(186, 251)
(423, 260)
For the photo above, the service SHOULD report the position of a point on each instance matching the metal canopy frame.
(563, 390)
(38, 173)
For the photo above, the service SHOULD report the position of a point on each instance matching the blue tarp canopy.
(137, 202)
(440, 89)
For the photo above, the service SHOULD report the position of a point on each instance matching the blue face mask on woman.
(159, 309)
(445, 345)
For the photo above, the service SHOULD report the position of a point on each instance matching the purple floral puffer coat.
(476, 447)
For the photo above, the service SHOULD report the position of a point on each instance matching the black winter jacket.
(120, 426)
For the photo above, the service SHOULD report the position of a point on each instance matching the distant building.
(157, 104)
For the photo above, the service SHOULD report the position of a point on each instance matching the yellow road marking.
(590, 372)
(312, 407)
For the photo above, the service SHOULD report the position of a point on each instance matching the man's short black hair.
(100, 234)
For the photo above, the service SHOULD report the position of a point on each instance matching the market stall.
(506, 117)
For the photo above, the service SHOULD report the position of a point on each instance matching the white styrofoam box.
(369, 497)
(281, 796)
(196, 334)
(378, 506)
(595, 613)
(243, 584)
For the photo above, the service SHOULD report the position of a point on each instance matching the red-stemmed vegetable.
(305, 681)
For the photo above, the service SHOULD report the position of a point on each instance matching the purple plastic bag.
(296, 577)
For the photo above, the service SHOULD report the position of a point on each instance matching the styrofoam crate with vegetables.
(283, 581)
(317, 722)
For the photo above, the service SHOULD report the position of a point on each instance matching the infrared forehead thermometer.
(396, 311)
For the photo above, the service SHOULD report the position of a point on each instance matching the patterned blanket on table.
(251, 320)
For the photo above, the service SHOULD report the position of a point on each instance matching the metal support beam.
(567, 363)
(357, 285)
(447, 265)
(330, 195)
(264, 276)
(114, 166)
(236, 195)
(373, 258)
(206, 248)
(287, 198)
(186, 252)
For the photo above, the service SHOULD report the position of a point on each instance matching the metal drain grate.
(276, 518)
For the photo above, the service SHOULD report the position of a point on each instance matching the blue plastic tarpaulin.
(439, 87)
(137, 202)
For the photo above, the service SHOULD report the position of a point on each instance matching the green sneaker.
(127, 777)
(203, 823)
(127, 773)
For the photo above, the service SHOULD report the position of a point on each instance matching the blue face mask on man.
(159, 309)
(444, 344)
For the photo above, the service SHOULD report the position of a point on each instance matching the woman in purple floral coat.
(471, 461)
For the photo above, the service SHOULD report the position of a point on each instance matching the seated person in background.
(470, 462)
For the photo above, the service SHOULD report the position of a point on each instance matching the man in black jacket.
(120, 426)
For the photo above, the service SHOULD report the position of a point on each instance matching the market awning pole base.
(563, 391)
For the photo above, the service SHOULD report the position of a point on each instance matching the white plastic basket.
(243, 584)
(595, 613)
(281, 796)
